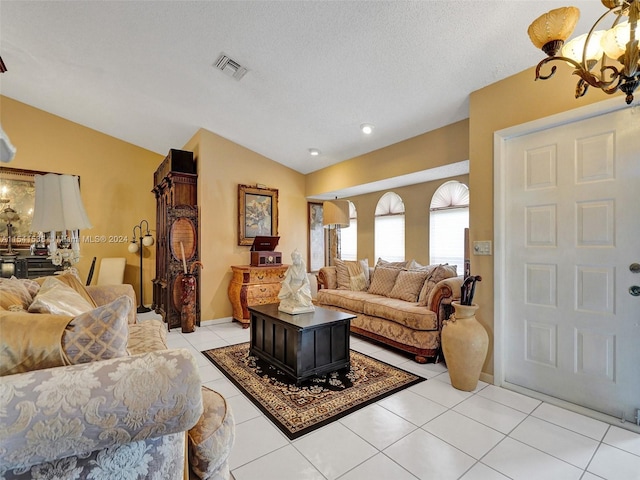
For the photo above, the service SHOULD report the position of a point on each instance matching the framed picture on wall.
(257, 213)
(18, 192)
(316, 236)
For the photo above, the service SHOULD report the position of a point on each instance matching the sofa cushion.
(10, 301)
(441, 272)
(103, 294)
(329, 277)
(99, 334)
(404, 313)
(72, 281)
(14, 295)
(31, 285)
(345, 299)
(147, 336)
(408, 285)
(352, 275)
(58, 298)
(31, 341)
(395, 334)
(383, 280)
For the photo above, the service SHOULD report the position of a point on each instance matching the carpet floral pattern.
(298, 410)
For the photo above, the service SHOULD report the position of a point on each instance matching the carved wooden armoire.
(176, 190)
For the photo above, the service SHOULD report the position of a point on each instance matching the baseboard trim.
(603, 417)
(217, 321)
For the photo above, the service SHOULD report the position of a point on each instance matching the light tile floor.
(430, 430)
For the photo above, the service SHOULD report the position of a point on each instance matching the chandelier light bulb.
(615, 40)
(575, 48)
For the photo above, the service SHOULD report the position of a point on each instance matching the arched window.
(389, 228)
(349, 236)
(449, 216)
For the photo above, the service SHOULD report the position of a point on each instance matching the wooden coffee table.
(301, 345)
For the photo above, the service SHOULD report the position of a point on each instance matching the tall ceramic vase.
(464, 344)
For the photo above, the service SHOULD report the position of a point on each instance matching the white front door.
(571, 232)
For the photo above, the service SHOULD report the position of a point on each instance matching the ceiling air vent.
(230, 67)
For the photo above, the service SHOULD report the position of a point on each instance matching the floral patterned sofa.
(106, 399)
(400, 304)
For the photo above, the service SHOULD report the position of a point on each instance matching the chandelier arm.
(599, 82)
(581, 88)
(593, 28)
(546, 60)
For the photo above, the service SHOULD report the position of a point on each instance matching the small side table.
(251, 286)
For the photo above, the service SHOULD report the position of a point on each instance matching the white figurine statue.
(295, 292)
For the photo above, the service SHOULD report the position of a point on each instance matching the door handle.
(634, 267)
(634, 290)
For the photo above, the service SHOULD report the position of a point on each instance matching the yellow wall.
(116, 179)
(512, 101)
(439, 147)
(416, 199)
(222, 166)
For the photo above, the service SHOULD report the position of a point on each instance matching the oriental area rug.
(298, 410)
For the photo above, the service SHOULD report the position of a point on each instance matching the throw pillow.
(408, 285)
(441, 272)
(98, 334)
(72, 281)
(60, 299)
(352, 275)
(31, 285)
(10, 301)
(386, 264)
(16, 293)
(31, 341)
(383, 281)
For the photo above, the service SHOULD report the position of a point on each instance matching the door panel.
(572, 216)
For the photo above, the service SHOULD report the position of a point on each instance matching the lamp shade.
(557, 24)
(58, 205)
(335, 213)
(575, 48)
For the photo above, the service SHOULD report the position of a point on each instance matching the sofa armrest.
(441, 296)
(103, 294)
(73, 410)
(328, 278)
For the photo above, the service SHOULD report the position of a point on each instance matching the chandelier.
(604, 59)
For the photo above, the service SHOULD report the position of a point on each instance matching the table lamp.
(59, 208)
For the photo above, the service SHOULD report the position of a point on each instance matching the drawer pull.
(260, 276)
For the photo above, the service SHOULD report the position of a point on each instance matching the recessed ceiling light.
(366, 128)
(314, 152)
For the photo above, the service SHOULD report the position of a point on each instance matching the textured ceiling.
(142, 71)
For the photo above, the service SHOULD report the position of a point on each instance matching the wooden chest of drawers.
(251, 286)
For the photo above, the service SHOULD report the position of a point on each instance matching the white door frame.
(500, 139)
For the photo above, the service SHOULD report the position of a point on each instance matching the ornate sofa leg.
(420, 359)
